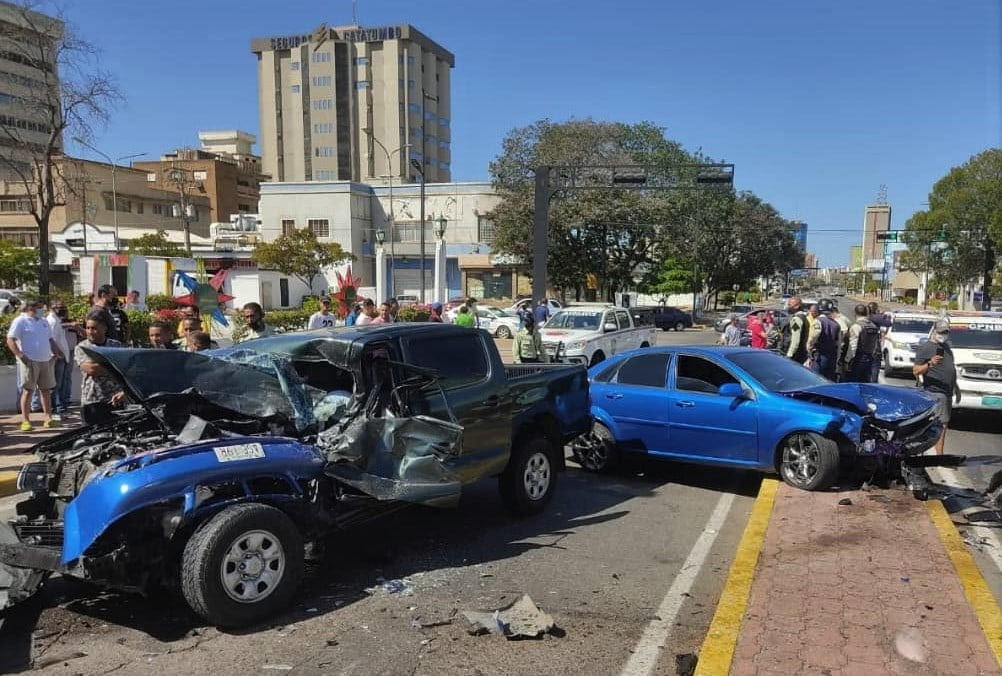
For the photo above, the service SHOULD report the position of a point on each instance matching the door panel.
(638, 402)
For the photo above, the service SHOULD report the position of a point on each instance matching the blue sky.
(816, 103)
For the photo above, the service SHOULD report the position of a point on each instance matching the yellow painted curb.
(718, 647)
(978, 594)
(8, 484)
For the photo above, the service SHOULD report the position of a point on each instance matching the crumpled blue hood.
(891, 403)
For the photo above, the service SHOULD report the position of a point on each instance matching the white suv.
(907, 330)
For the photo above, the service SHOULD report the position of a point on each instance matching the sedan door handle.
(685, 404)
(492, 401)
(613, 396)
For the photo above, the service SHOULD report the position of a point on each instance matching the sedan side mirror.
(610, 327)
(732, 390)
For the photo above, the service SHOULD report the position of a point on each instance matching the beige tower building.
(344, 103)
(29, 86)
(877, 218)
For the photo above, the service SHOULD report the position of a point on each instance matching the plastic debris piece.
(398, 587)
(845, 501)
(880, 498)
(908, 643)
(520, 620)
(685, 664)
(906, 579)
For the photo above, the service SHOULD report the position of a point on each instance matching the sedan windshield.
(588, 321)
(776, 373)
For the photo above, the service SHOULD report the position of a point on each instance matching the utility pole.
(424, 151)
(389, 166)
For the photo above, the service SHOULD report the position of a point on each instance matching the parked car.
(229, 461)
(590, 333)
(740, 309)
(742, 407)
(5, 301)
(668, 317)
(906, 332)
(497, 322)
(552, 304)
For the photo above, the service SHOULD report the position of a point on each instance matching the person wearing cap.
(935, 366)
(862, 348)
(322, 319)
(436, 313)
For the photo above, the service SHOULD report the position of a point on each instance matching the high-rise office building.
(352, 103)
(877, 218)
(800, 234)
(29, 86)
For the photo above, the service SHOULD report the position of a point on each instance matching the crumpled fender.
(16, 584)
(149, 478)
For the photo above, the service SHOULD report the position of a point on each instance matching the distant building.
(800, 234)
(876, 219)
(856, 258)
(329, 98)
(224, 170)
(29, 81)
(810, 262)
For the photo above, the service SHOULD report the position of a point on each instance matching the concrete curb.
(8, 483)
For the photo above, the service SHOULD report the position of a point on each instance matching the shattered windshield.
(776, 373)
(259, 385)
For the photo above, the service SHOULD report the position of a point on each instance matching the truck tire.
(528, 482)
(679, 326)
(242, 566)
(809, 461)
(597, 358)
(596, 450)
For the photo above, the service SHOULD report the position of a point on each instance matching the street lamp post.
(389, 165)
(440, 259)
(417, 166)
(114, 185)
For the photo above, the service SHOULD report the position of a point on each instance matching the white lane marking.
(646, 652)
(951, 477)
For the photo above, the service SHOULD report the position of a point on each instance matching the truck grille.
(992, 372)
(43, 533)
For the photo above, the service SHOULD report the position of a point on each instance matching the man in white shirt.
(30, 340)
(367, 314)
(61, 364)
(322, 319)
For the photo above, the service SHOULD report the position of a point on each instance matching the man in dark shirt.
(934, 362)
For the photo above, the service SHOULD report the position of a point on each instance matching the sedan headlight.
(34, 477)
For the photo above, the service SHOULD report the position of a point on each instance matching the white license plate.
(239, 452)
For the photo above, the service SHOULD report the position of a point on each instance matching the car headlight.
(899, 346)
(34, 477)
(576, 345)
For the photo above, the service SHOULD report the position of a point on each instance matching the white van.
(976, 341)
(907, 330)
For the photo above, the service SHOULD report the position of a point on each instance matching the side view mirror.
(732, 390)
(610, 327)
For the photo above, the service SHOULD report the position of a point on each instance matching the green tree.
(672, 277)
(18, 265)
(965, 214)
(156, 244)
(300, 255)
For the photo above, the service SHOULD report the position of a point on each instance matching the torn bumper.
(23, 568)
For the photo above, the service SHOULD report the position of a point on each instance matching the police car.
(976, 341)
(907, 330)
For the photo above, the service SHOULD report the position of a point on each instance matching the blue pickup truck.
(228, 466)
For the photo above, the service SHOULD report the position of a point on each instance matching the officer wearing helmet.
(826, 342)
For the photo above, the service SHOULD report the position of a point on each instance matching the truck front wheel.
(242, 566)
(528, 482)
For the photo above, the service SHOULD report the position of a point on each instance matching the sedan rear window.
(646, 370)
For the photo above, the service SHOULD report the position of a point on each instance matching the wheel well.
(645, 344)
(546, 424)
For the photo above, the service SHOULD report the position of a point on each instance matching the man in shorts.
(30, 340)
(934, 364)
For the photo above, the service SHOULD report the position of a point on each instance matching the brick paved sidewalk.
(845, 590)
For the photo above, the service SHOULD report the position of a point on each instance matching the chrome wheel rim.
(537, 476)
(801, 460)
(253, 566)
(503, 332)
(591, 451)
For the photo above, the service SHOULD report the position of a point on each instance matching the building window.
(416, 132)
(414, 108)
(123, 204)
(321, 57)
(361, 84)
(200, 175)
(411, 84)
(17, 205)
(428, 115)
(288, 227)
(410, 60)
(444, 145)
(443, 165)
(295, 89)
(323, 151)
(151, 177)
(323, 104)
(323, 128)
(415, 155)
(485, 229)
(361, 61)
(443, 122)
(325, 175)
(321, 80)
(431, 138)
(243, 207)
(158, 209)
(294, 65)
(139, 207)
(320, 226)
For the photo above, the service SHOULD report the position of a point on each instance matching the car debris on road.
(519, 620)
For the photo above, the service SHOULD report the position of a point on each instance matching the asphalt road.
(623, 563)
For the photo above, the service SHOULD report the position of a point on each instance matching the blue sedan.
(742, 407)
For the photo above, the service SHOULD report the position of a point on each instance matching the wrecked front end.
(896, 426)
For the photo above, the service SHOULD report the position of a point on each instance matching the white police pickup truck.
(907, 331)
(589, 333)
(976, 341)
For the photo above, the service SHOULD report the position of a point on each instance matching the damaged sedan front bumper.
(23, 567)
